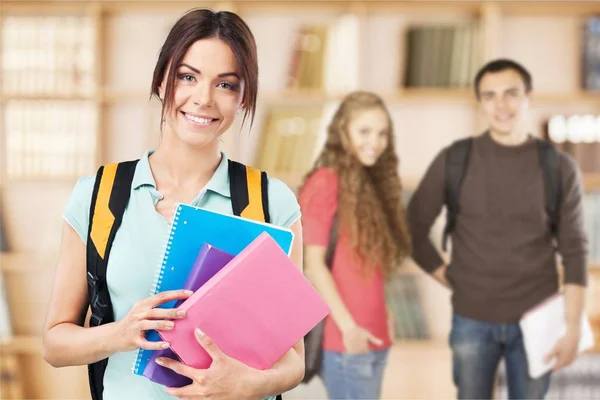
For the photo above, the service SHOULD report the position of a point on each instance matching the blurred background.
(75, 95)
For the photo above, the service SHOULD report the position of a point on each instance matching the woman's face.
(208, 93)
(369, 132)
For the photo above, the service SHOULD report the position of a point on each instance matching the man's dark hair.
(502, 65)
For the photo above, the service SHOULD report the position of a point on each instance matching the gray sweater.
(503, 259)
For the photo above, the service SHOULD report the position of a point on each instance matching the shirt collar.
(219, 183)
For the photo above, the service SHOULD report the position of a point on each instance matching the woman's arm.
(67, 342)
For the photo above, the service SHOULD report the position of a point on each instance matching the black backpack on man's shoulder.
(112, 190)
(457, 161)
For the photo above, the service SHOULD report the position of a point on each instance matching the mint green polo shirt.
(138, 248)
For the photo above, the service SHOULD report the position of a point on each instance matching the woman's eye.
(227, 85)
(186, 77)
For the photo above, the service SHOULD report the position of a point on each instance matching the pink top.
(363, 294)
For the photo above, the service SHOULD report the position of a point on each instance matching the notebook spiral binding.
(158, 279)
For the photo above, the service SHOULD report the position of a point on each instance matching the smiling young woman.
(355, 184)
(207, 72)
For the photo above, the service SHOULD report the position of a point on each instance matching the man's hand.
(565, 351)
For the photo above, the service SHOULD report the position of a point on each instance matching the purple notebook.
(210, 260)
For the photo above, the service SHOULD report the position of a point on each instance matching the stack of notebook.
(249, 296)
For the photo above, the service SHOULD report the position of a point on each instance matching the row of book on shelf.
(579, 136)
(436, 55)
(43, 55)
(50, 139)
(591, 54)
(443, 56)
(289, 140)
(48, 55)
(327, 56)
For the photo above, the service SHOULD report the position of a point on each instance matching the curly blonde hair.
(369, 198)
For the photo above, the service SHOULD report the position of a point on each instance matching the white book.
(542, 327)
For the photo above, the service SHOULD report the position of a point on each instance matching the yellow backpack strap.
(248, 187)
(109, 200)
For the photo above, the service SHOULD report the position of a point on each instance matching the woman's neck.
(184, 166)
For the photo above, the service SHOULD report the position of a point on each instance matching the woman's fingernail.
(188, 292)
(159, 361)
(199, 332)
(165, 345)
(169, 324)
(181, 313)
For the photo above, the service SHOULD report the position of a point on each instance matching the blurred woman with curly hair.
(354, 186)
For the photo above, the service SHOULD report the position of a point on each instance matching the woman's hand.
(357, 339)
(225, 379)
(129, 333)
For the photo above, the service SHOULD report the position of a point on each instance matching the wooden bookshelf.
(487, 13)
(507, 7)
(443, 113)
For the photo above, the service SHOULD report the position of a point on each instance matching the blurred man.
(513, 201)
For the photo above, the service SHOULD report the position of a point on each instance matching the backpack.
(110, 196)
(313, 341)
(457, 160)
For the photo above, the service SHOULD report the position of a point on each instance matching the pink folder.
(255, 309)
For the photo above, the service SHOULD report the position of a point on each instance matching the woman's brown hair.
(369, 198)
(198, 24)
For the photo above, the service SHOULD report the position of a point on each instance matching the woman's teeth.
(198, 120)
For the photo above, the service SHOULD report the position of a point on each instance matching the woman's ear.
(161, 92)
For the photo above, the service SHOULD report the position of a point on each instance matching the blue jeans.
(478, 347)
(353, 376)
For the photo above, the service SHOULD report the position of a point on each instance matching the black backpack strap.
(331, 246)
(313, 340)
(549, 163)
(249, 192)
(457, 159)
(109, 199)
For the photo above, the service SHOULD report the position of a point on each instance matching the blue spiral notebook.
(193, 227)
